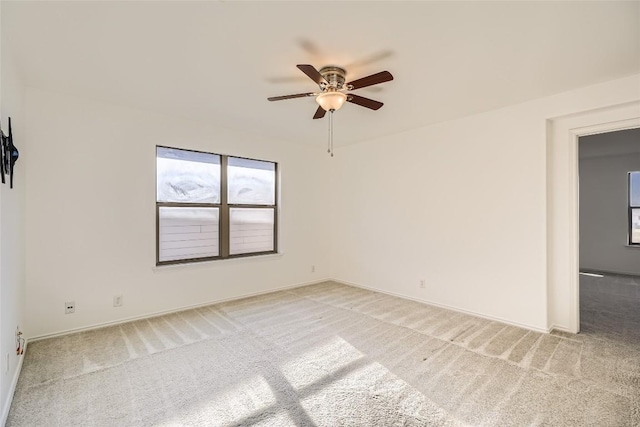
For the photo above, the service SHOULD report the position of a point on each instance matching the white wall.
(12, 229)
(461, 204)
(603, 204)
(91, 214)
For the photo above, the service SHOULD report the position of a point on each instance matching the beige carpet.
(326, 355)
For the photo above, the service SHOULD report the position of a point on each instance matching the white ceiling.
(218, 61)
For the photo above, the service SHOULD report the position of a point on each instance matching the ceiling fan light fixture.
(331, 100)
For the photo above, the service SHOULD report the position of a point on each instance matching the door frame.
(563, 227)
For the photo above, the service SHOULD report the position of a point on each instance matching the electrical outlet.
(69, 307)
(313, 268)
(117, 301)
(422, 283)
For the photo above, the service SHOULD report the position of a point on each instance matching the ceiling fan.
(334, 91)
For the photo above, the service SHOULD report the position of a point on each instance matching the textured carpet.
(610, 307)
(327, 355)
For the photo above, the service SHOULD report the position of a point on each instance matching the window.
(634, 208)
(210, 206)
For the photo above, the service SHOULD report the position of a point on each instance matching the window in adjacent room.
(634, 208)
(211, 206)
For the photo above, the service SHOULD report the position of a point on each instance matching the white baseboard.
(170, 311)
(357, 285)
(14, 382)
(448, 307)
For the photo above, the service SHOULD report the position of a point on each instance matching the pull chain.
(330, 145)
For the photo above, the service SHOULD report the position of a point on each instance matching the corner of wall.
(12, 231)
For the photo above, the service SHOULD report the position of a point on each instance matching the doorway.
(609, 248)
(563, 307)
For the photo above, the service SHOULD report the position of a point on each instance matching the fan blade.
(311, 71)
(297, 95)
(374, 57)
(373, 79)
(319, 113)
(365, 102)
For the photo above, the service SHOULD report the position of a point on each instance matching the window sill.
(633, 246)
(215, 263)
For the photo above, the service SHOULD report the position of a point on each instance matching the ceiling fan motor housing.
(335, 77)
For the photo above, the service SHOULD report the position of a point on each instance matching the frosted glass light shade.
(331, 100)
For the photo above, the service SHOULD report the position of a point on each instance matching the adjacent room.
(267, 213)
(610, 234)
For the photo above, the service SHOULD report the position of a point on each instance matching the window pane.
(635, 225)
(251, 230)
(187, 176)
(251, 182)
(634, 188)
(187, 233)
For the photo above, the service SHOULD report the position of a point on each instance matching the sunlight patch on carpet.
(315, 364)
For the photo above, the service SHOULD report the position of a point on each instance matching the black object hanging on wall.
(2, 138)
(9, 155)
